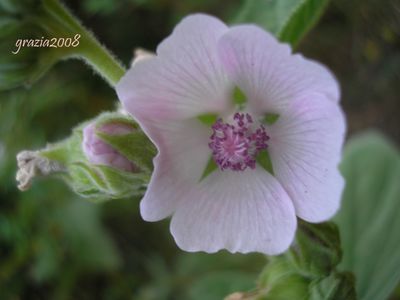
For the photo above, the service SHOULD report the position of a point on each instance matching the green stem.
(101, 60)
(57, 19)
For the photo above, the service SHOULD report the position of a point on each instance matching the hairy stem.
(56, 18)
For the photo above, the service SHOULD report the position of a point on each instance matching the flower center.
(235, 146)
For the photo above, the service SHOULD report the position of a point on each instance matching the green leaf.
(215, 286)
(211, 167)
(264, 160)
(369, 217)
(304, 18)
(46, 263)
(87, 238)
(288, 20)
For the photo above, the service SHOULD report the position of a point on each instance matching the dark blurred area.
(360, 42)
(54, 245)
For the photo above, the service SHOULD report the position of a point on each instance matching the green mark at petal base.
(264, 160)
(239, 97)
(211, 167)
(208, 119)
(270, 119)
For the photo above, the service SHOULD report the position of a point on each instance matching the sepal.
(316, 250)
(307, 271)
(135, 145)
(335, 286)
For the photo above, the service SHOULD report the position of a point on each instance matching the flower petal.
(183, 155)
(99, 152)
(185, 79)
(305, 149)
(239, 211)
(268, 73)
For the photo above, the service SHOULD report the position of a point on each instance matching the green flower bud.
(113, 163)
(307, 271)
(316, 250)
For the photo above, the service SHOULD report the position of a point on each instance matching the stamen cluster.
(235, 146)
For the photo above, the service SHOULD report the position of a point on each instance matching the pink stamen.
(236, 146)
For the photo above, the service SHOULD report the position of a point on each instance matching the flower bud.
(316, 250)
(308, 270)
(99, 152)
(106, 158)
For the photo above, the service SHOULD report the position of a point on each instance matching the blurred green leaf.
(215, 286)
(202, 276)
(21, 65)
(190, 264)
(368, 220)
(86, 236)
(100, 6)
(288, 20)
(47, 262)
(17, 6)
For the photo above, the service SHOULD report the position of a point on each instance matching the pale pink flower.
(239, 206)
(99, 152)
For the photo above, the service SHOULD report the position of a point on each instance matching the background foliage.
(53, 245)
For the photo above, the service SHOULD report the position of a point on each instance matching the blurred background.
(54, 245)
